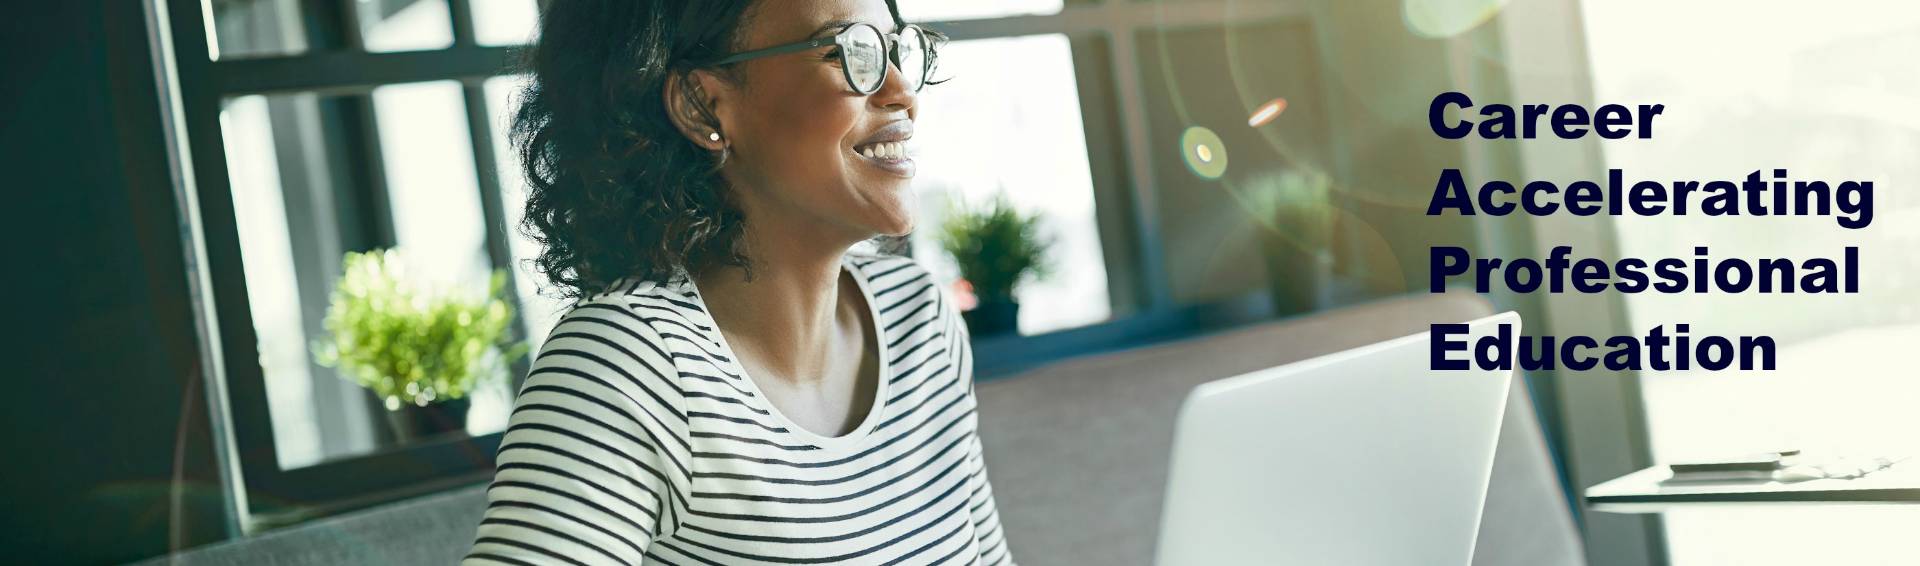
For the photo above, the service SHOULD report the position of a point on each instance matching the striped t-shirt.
(637, 438)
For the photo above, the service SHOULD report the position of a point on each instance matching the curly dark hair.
(614, 189)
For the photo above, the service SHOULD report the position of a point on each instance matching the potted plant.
(420, 350)
(1295, 215)
(997, 248)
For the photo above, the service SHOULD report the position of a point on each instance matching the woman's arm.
(985, 515)
(591, 467)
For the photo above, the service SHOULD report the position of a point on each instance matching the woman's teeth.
(890, 151)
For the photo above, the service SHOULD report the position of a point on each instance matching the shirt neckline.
(830, 443)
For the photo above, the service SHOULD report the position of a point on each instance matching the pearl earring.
(713, 136)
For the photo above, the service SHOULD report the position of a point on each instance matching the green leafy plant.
(1295, 211)
(413, 345)
(1294, 206)
(996, 246)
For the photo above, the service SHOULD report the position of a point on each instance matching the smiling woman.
(732, 384)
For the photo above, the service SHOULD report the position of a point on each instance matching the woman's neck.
(791, 317)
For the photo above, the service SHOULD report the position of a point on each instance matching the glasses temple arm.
(775, 50)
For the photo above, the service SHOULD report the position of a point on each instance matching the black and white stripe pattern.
(638, 439)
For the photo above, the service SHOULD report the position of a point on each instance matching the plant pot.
(990, 318)
(1295, 276)
(412, 422)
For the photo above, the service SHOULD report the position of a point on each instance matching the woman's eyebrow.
(835, 26)
(830, 28)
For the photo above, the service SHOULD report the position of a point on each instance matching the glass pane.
(964, 125)
(432, 188)
(431, 181)
(1830, 95)
(942, 10)
(539, 311)
(1238, 215)
(299, 209)
(505, 22)
(294, 218)
(293, 382)
(404, 25)
(250, 28)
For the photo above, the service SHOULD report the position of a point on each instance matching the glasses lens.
(860, 49)
(913, 57)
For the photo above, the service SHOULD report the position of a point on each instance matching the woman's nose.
(895, 93)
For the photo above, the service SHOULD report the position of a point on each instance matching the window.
(505, 22)
(539, 311)
(295, 221)
(266, 242)
(945, 10)
(1829, 95)
(403, 25)
(250, 28)
(1213, 230)
(300, 161)
(1039, 151)
(321, 127)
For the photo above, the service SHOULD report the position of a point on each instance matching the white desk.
(1645, 492)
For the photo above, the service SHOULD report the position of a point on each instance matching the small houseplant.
(1295, 213)
(420, 350)
(997, 248)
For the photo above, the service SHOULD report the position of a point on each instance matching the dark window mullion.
(340, 72)
(352, 135)
(461, 12)
(1125, 60)
(330, 25)
(353, 149)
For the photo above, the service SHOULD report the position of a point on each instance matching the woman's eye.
(832, 55)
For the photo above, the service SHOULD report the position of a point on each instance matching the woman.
(733, 384)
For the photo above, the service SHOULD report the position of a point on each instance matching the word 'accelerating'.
(1849, 202)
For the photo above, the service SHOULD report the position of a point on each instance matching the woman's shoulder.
(899, 283)
(617, 340)
(643, 310)
(869, 261)
(916, 314)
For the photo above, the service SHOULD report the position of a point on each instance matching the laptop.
(1364, 457)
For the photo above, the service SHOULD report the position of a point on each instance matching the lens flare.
(1441, 19)
(1267, 112)
(1204, 153)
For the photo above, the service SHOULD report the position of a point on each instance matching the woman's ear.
(692, 106)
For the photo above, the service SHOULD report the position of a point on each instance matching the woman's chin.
(896, 222)
(888, 214)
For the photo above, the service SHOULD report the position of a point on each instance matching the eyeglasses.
(864, 53)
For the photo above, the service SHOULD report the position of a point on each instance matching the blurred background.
(190, 178)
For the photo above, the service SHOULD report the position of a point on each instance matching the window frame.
(334, 68)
